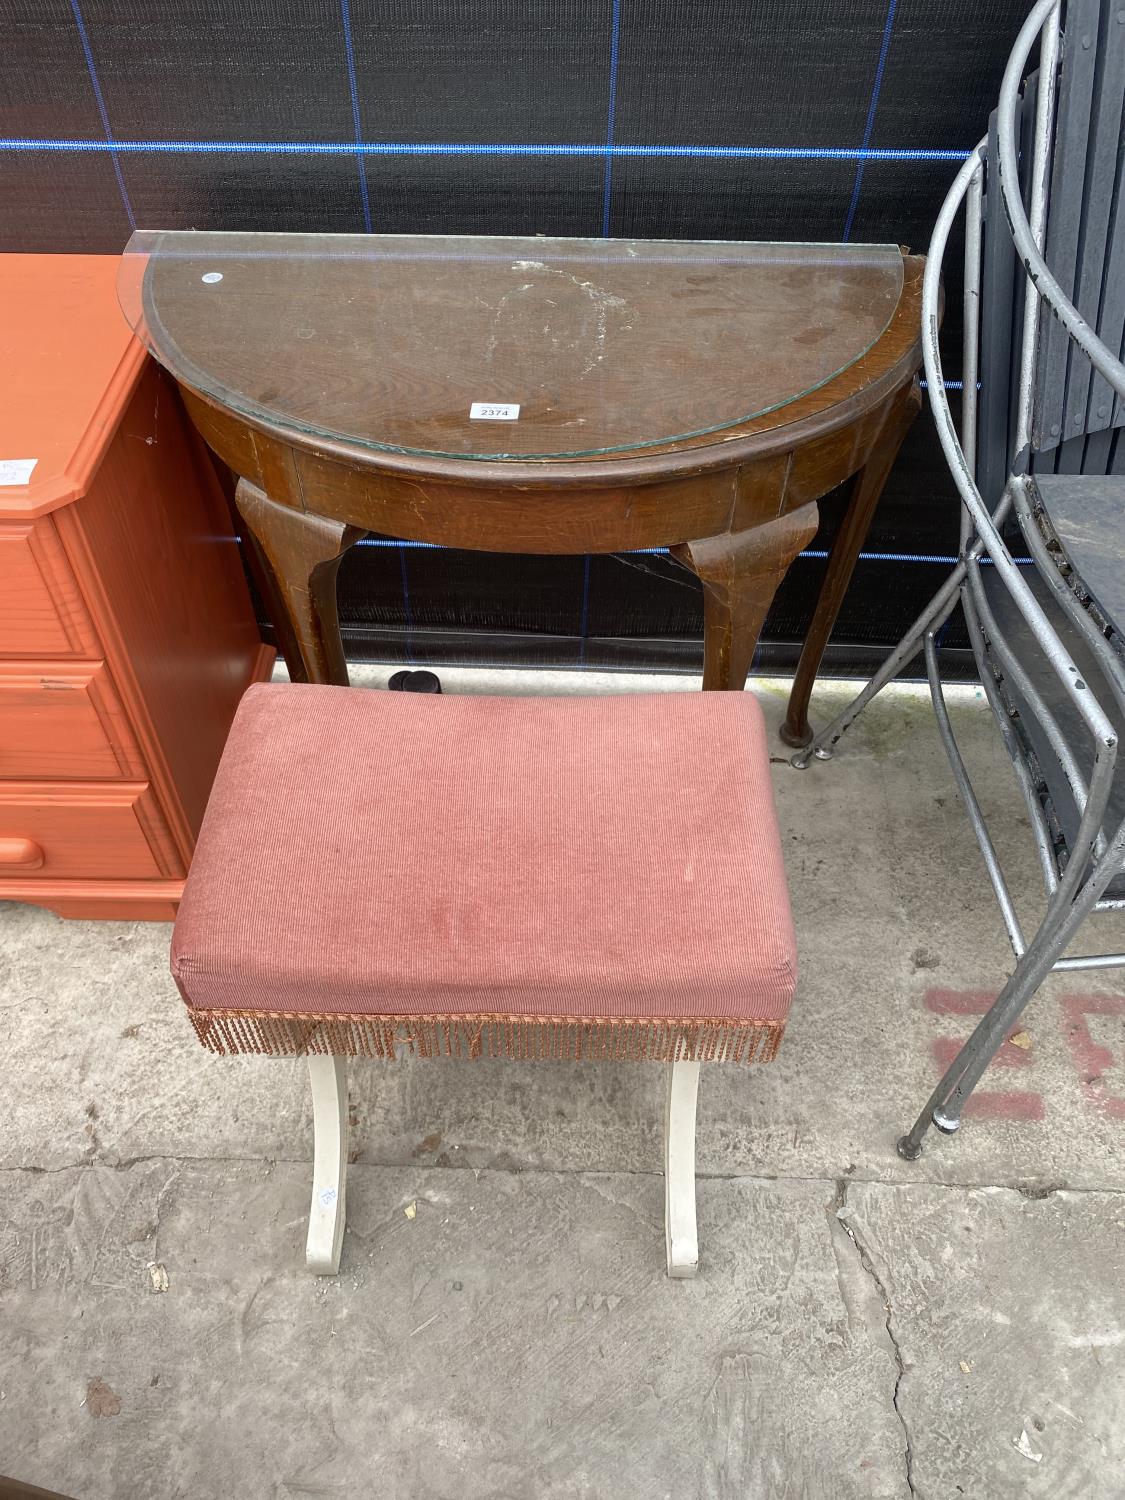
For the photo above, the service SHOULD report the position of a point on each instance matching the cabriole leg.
(300, 554)
(866, 489)
(329, 1080)
(740, 572)
(680, 1235)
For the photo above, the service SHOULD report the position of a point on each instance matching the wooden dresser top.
(68, 365)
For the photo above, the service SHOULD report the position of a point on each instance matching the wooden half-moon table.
(543, 396)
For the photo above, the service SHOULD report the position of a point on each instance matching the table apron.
(537, 518)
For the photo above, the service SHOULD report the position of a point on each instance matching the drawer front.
(41, 608)
(61, 721)
(82, 831)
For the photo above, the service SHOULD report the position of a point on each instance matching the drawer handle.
(24, 854)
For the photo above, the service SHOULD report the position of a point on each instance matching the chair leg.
(329, 1080)
(680, 1236)
(944, 1106)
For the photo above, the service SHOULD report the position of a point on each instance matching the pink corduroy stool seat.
(518, 877)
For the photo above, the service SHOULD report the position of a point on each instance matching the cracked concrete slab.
(518, 1338)
(1008, 1316)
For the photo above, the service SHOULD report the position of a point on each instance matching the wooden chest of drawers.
(126, 632)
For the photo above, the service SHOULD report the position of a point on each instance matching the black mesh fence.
(739, 119)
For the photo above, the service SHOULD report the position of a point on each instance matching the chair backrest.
(1076, 419)
(1085, 230)
(1028, 620)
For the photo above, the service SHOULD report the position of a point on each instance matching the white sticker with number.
(18, 470)
(494, 411)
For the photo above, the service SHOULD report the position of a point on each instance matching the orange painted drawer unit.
(126, 632)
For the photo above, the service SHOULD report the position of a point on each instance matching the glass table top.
(497, 348)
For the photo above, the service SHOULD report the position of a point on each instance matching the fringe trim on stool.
(570, 1039)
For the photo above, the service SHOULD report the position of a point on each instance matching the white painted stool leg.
(329, 1080)
(680, 1236)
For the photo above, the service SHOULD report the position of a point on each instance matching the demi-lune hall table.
(540, 395)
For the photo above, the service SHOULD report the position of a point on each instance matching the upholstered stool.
(511, 877)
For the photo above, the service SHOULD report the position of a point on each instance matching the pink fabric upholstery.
(394, 854)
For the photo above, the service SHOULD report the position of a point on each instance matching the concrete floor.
(860, 1326)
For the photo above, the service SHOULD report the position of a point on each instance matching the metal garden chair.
(1040, 460)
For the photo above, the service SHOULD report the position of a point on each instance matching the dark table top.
(494, 348)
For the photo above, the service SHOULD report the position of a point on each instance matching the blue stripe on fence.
(810, 552)
(888, 28)
(611, 113)
(475, 148)
(109, 144)
(584, 619)
(407, 611)
(349, 51)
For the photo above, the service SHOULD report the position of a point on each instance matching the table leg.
(301, 554)
(865, 492)
(740, 572)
